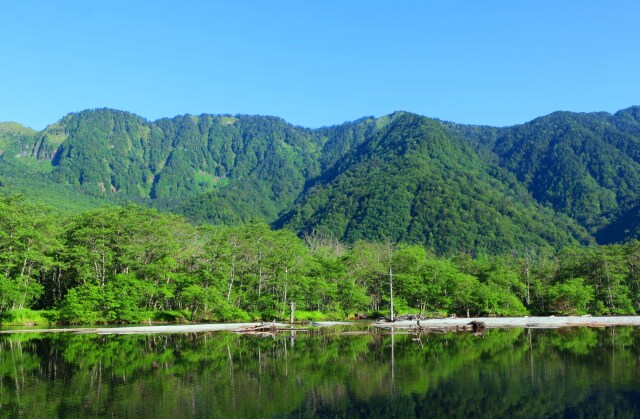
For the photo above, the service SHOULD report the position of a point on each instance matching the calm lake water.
(576, 372)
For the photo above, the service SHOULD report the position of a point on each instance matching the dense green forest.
(584, 165)
(218, 217)
(132, 264)
(559, 180)
(414, 182)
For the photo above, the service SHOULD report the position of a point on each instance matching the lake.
(576, 372)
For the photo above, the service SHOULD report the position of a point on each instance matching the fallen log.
(266, 328)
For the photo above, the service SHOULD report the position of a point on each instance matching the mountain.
(277, 177)
(416, 181)
(15, 139)
(206, 166)
(585, 165)
(560, 179)
(20, 172)
(171, 160)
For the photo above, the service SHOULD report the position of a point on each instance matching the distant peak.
(14, 127)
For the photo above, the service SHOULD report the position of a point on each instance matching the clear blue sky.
(321, 62)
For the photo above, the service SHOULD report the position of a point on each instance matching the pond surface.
(576, 372)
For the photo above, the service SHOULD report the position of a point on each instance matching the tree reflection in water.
(515, 373)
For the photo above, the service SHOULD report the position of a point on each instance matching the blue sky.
(318, 63)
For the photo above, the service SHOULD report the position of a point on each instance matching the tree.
(571, 296)
(28, 242)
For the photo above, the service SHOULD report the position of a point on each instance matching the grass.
(209, 181)
(34, 165)
(312, 316)
(228, 120)
(28, 317)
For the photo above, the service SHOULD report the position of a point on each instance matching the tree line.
(129, 264)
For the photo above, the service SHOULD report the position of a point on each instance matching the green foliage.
(15, 139)
(571, 296)
(127, 264)
(460, 218)
(607, 270)
(169, 316)
(28, 317)
(28, 241)
(584, 165)
(25, 175)
(81, 306)
(401, 177)
(417, 182)
(310, 316)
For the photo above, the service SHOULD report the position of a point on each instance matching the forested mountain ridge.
(399, 177)
(171, 159)
(585, 165)
(218, 162)
(413, 181)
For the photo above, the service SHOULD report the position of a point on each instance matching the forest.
(132, 264)
(106, 217)
(559, 180)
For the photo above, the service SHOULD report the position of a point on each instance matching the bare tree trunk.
(611, 303)
(527, 275)
(391, 290)
(231, 278)
(286, 286)
(259, 273)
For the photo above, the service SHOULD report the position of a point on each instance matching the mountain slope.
(15, 139)
(278, 176)
(586, 166)
(105, 152)
(208, 167)
(21, 173)
(416, 181)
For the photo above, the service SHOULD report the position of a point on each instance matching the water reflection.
(515, 373)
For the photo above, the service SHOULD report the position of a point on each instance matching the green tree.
(571, 296)
(28, 244)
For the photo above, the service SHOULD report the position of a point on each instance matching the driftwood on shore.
(402, 318)
(260, 329)
(265, 329)
(476, 327)
(426, 325)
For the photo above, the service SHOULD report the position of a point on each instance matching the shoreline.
(141, 330)
(446, 323)
(550, 322)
